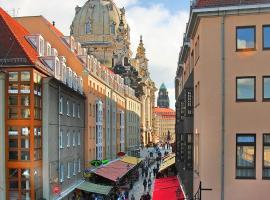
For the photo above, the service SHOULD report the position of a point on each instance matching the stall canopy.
(94, 188)
(167, 188)
(114, 170)
(131, 160)
(167, 163)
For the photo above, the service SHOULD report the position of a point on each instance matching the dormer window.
(88, 27)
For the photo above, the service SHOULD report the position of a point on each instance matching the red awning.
(114, 170)
(167, 188)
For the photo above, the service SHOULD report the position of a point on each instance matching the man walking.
(144, 184)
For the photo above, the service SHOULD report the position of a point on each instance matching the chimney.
(53, 23)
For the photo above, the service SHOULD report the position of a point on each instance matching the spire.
(140, 49)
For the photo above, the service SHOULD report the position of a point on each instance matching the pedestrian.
(144, 184)
(157, 165)
(132, 197)
(154, 171)
(147, 196)
(150, 173)
(149, 184)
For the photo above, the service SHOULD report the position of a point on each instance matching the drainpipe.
(59, 132)
(222, 178)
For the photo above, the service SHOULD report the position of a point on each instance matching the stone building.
(101, 27)
(163, 100)
(222, 100)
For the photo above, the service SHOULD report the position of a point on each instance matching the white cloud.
(125, 3)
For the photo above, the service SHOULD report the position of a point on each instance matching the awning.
(114, 170)
(167, 163)
(167, 188)
(168, 157)
(94, 188)
(131, 160)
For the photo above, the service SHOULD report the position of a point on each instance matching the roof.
(167, 163)
(163, 86)
(167, 188)
(114, 170)
(164, 111)
(215, 3)
(131, 160)
(94, 188)
(19, 33)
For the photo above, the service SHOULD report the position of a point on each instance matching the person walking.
(147, 196)
(144, 184)
(155, 171)
(149, 184)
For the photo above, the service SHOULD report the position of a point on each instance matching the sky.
(160, 22)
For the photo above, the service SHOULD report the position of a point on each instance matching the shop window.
(25, 88)
(246, 38)
(245, 88)
(25, 100)
(13, 100)
(266, 156)
(13, 88)
(25, 76)
(266, 37)
(13, 76)
(266, 88)
(245, 156)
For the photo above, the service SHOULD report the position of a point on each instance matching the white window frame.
(62, 173)
(61, 105)
(61, 146)
(74, 139)
(68, 108)
(68, 139)
(68, 170)
(79, 138)
(73, 109)
(74, 167)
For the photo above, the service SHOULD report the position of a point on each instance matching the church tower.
(163, 100)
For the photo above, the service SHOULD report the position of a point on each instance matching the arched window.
(113, 28)
(126, 63)
(88, 27)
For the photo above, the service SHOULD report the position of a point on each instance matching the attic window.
(88, 27)
(113, 28)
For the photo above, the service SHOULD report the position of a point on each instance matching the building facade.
(164, 125)
(163, 100)
(222, 89)
(63, 139)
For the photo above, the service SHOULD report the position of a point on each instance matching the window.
(68, 170)
(61, 105)
(245, 89)
(61, 173)
(74, 139)
(73, 110)
(79, 138)
(266, 88)
(68, 108)
(78, 111)
(25, 76)
(68, 139)
(61, 145)
(266, 156)
(113, 28)
(245, 156)
(74, 167)
(79, 165)
(266, 37)
(88, 27)
(197, 50)
(13, 76)
(245, 38)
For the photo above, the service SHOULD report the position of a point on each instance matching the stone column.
(2, 137)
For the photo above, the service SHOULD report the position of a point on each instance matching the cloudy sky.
(161, 22)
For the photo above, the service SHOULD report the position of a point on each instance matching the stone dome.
(97, 17)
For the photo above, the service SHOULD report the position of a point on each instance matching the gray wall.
(68, 124)
(2, 137)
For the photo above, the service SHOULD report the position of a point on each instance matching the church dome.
(97, 17)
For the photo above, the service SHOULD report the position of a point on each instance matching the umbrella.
(96, 163)
(120, 154)
(104, 162)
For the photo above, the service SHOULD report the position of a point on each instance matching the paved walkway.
(138, 189)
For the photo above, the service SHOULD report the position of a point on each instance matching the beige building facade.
(222, 91)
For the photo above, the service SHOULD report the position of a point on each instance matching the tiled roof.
(19, 33)
(164, 111)
(216, 3)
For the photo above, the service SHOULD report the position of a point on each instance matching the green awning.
(94, 188)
